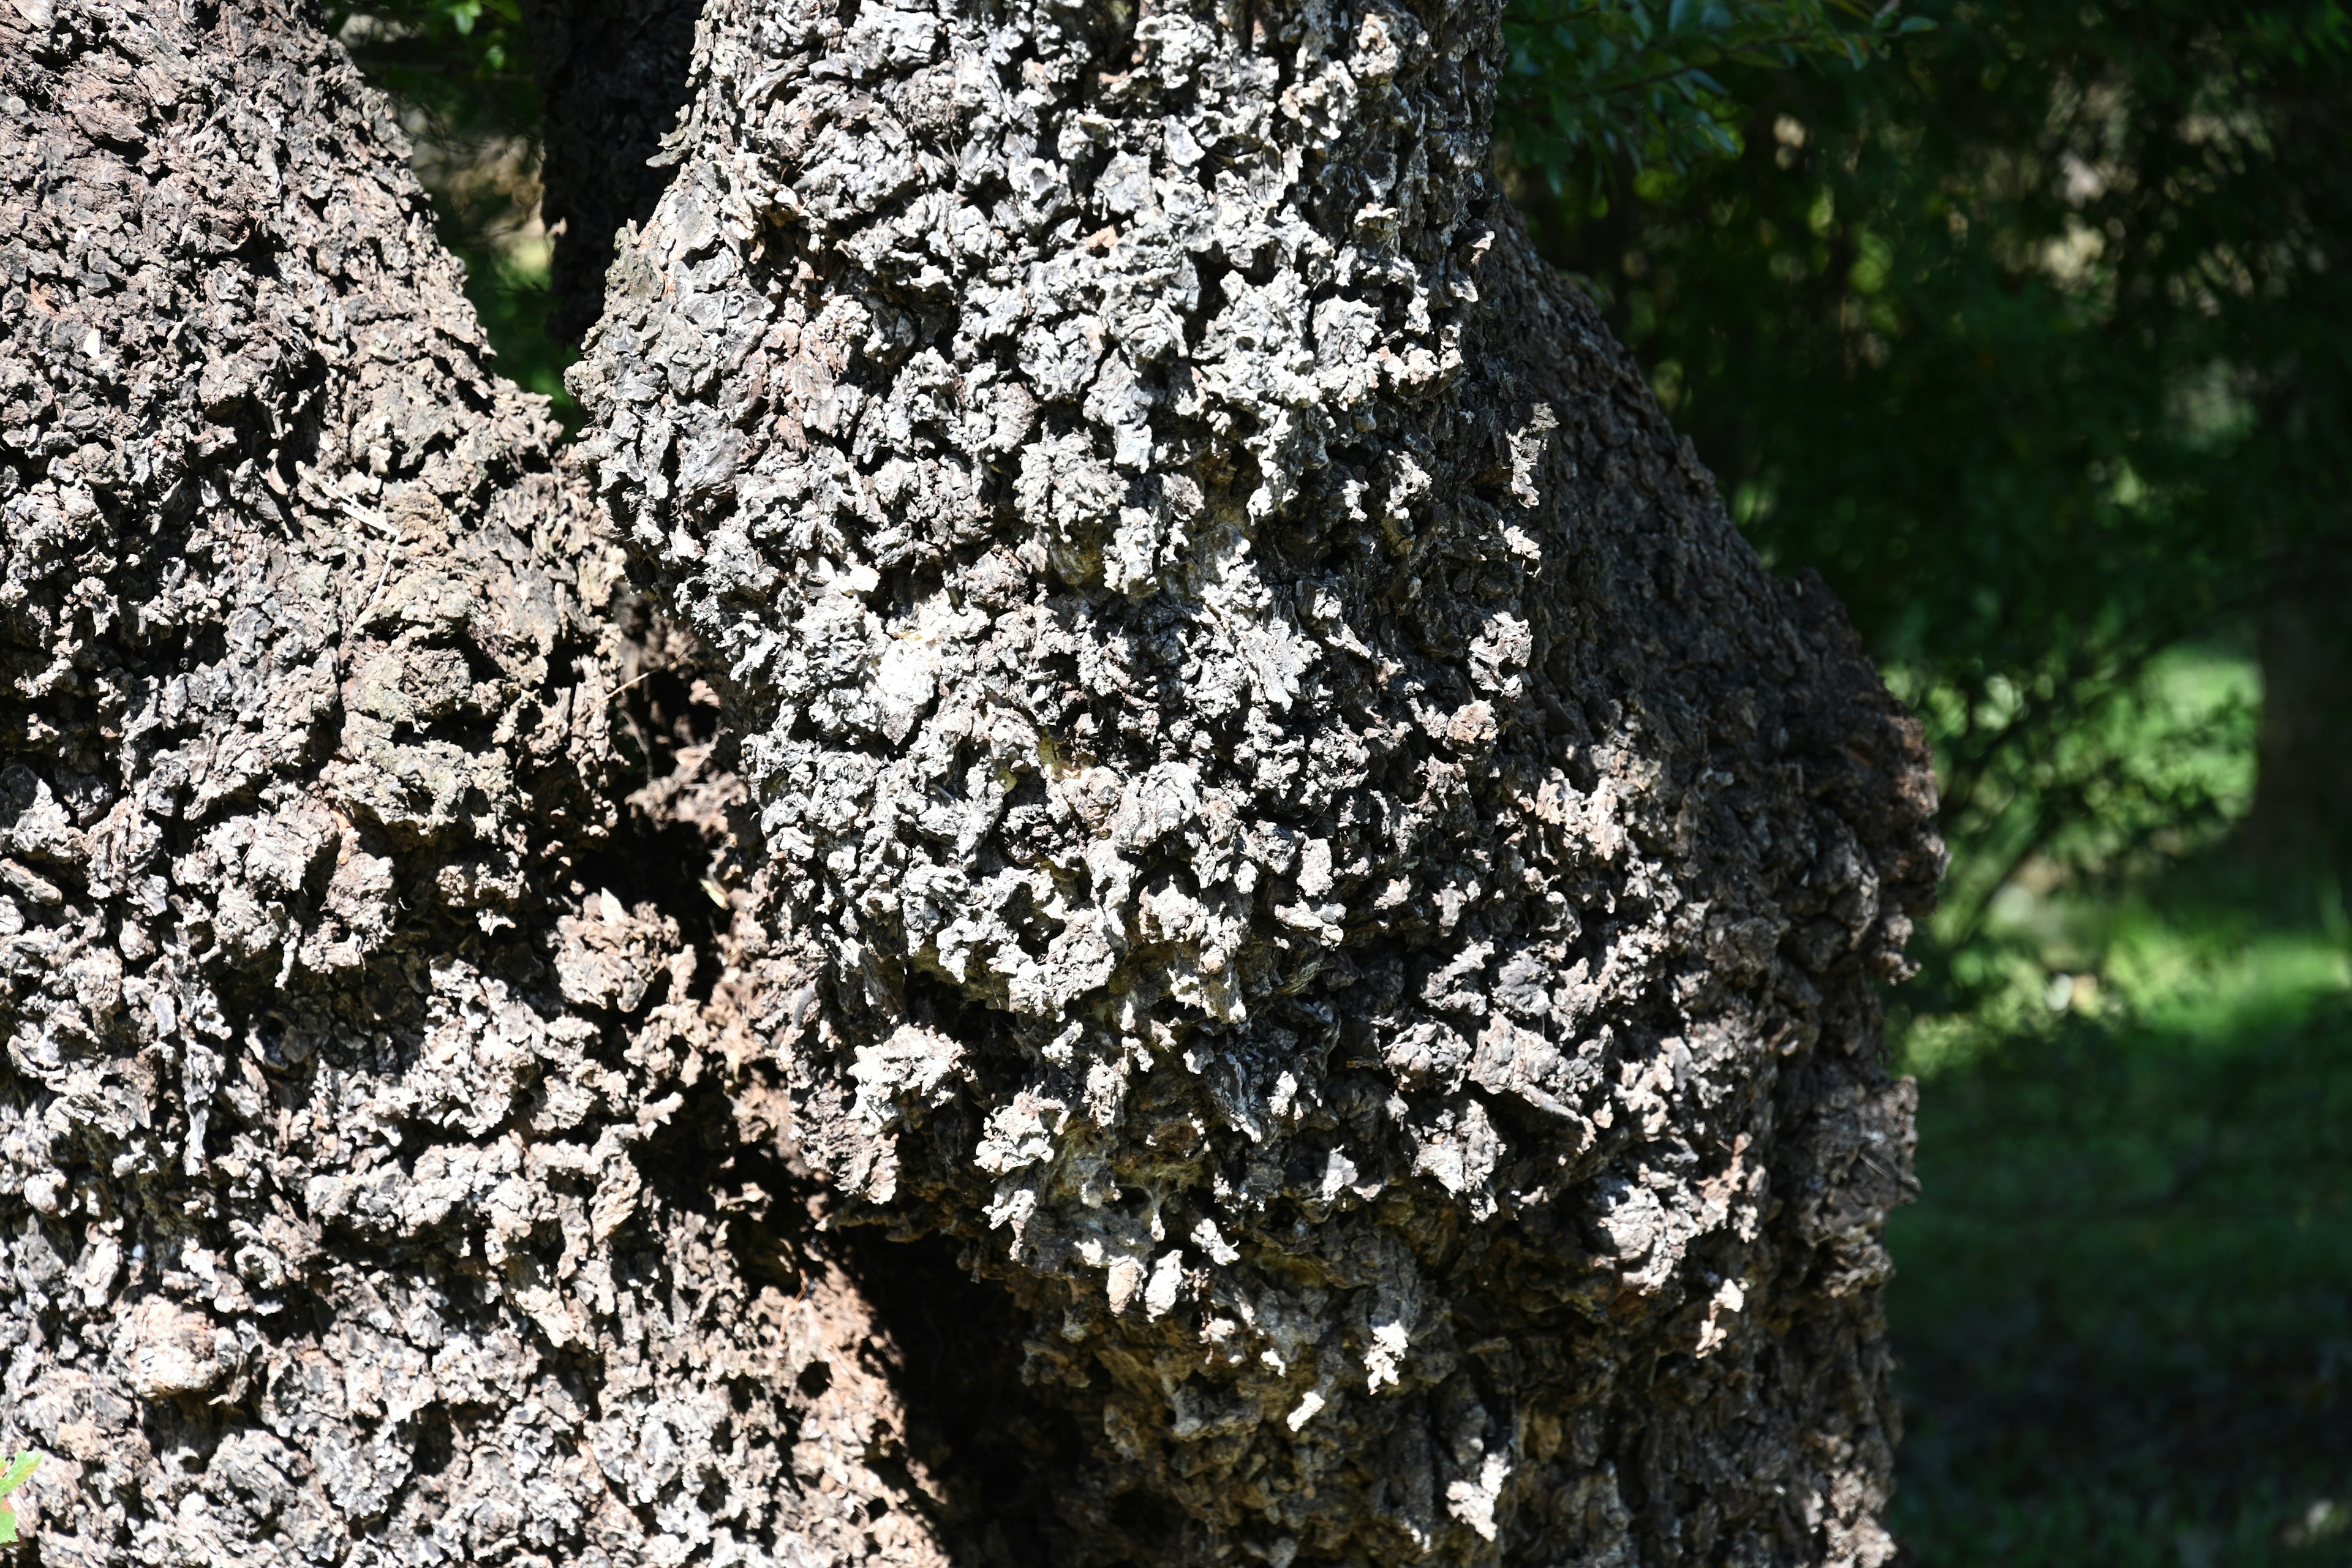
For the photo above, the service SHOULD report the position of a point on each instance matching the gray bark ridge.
(377, 1183)
(1317, 850)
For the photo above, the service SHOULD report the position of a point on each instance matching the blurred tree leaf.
(1594, 83)
(2033, 336)
(20, 1470)
(463, 65)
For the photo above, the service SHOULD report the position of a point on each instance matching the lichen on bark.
(1310, 845)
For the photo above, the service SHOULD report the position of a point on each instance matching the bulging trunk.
(1273, 957)
(1316, 851)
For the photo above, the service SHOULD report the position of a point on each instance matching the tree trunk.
(1317, 853)
(391, 1160)
(2302, 814)
(1263, 810)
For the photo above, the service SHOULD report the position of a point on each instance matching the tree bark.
(391, 1160)
(2301, 819)
(1263, 810)
(1317, 853)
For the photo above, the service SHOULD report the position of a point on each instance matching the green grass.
(2125, 1304)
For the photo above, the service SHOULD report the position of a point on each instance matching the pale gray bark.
(1316, 850)
(1275, 815)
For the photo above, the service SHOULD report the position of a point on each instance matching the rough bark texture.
(1313, 849)
(612, 75)
(1274, 815)
(387, 1173)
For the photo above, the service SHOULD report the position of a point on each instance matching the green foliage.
(1592, 80)
(2124, 1304)
(2035, 339)
(462, 65)
(458, 74)
(2125, 1301)
(20, 1470)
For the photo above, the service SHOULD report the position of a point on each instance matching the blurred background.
(2027, 325)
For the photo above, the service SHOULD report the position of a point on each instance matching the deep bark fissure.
(995, 1449)
(612, 77)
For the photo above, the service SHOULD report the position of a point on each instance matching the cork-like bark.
(1319, 856)
(388, 1154)
(1261, 811)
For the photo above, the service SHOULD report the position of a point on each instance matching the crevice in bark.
(1006, 1458)
(612, 74)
